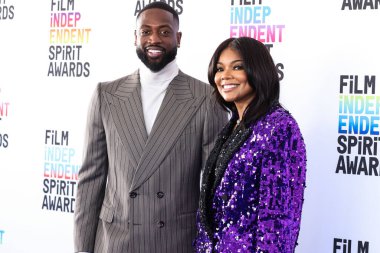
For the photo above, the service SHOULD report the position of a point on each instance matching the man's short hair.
(162, 6)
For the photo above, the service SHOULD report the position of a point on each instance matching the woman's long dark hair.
(261, 73)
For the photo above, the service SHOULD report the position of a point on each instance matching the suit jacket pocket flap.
(106, 214)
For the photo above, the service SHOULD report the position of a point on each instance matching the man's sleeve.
(92, 178)
(215, 119)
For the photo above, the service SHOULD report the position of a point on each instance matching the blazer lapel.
(126, 109)
(176, 110)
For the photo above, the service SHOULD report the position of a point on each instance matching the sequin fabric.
(252, 188)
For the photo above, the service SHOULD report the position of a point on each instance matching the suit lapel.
(176, 110)
(126, 109)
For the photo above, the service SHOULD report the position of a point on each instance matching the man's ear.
(179, 36)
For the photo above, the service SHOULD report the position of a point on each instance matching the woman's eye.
(238, 67)
(219, 69)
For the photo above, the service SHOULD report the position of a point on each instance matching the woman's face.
(231, 80)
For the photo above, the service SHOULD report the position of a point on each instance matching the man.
(148, 137)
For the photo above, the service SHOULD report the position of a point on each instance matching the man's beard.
(156, 66)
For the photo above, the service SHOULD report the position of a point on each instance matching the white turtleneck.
(153, 89)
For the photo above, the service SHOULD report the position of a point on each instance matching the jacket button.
(160, 195)
(133, 195)
(160, 224)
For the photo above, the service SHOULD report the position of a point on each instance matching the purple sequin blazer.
(252, 187)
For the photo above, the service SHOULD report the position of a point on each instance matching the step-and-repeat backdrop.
(53, 52)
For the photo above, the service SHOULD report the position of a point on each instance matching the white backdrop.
(323, 46)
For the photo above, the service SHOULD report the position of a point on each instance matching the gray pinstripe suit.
(139, 193)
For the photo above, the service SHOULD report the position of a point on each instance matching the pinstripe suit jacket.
(139, 193)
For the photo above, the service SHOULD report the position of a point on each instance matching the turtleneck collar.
(167, 73)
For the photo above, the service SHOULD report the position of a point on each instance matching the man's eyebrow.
(160, 26)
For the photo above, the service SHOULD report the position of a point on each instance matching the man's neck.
(168, 72)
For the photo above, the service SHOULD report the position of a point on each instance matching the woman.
(253, 183)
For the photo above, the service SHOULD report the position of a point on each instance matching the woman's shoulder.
(277, 117)
(278, 123)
